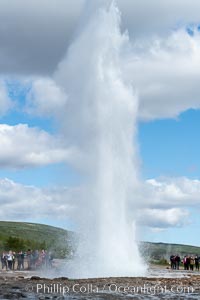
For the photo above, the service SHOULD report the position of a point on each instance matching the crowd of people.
(29, 260)
(190, 262)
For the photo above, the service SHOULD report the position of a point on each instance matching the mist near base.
(100, 123)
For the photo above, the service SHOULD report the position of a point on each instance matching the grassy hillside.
(21, 235)
(157, 251)
(32, 230)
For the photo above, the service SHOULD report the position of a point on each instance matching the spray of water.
(100, 121)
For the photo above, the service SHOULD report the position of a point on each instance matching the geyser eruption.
(101, 118)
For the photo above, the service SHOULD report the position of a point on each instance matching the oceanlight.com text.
(62, 289)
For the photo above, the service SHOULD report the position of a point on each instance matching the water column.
(101, 117)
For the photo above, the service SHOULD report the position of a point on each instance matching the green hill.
(159, 251)
(21, 236)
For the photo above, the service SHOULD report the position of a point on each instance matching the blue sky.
(171, 147)
(158, 57)
(168, 147)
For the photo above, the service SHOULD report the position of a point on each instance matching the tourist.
(192, 262)
(4, 261)
(173, 262)
(35, 259)
(14, 260)
(29, 258)
(35, 256)
(185, 262)
(196, 262)
(10, 260)
(20, 261)
(177, 261)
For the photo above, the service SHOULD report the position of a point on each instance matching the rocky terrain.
(18, 285)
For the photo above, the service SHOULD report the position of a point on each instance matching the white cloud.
(22, 146)
(162, 218)
(45, 98)
(19, 202)
(27, 202)
(165, 72)
(166, 202)
(38, 47)
(172, 192)
(61, 202)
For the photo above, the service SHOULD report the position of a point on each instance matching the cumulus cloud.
(45, 98)
(172, 192)
(163, 218)
(165, 72)
(59, 202)
(20, 202)
(27, 202)
(22, 146)
(166, 202)
(38, 47)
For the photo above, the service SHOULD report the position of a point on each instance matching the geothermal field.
(83, 105)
